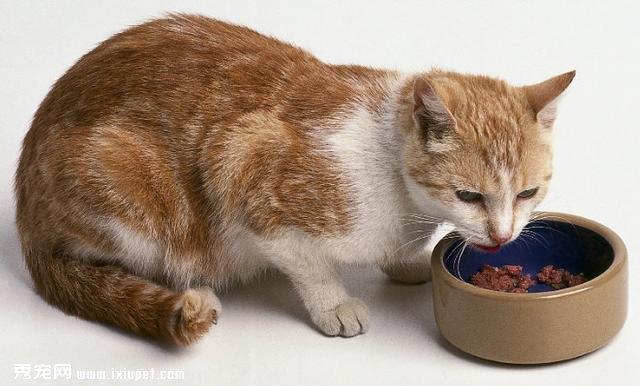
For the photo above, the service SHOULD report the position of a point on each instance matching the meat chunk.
(559, 278)
(508, 278)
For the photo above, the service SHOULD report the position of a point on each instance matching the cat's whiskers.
(537, 225)
(523, 240)
(413, 218)
(450, 236)
(415, 222)
(534, 236)
(415, 231)
(537, 222)
(547, 216)
(460, 260)
(424, 217)
(452, 253)
(420, 237)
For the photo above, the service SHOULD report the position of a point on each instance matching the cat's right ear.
(430, 114)
(543, 97)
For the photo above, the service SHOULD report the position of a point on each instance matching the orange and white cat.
(186, 154)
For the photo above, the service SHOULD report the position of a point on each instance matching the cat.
(187, 154)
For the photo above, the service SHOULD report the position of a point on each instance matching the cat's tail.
(111, 295)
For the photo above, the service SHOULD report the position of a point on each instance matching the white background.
(264, 335)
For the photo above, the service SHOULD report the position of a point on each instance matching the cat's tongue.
(488, 249)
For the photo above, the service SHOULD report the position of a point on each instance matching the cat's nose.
(500, 237)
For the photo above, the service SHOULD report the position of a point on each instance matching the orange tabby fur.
(169, 135)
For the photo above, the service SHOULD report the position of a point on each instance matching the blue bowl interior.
(564, 245)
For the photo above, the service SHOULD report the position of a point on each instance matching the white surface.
(264, 335)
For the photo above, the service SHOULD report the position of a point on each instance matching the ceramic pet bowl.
(543, 325)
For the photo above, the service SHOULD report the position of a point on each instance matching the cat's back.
(162, 71)
(150, 93)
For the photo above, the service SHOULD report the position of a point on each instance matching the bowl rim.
(619, 260)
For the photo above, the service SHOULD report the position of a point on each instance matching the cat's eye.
(468, 196)
(528, 193)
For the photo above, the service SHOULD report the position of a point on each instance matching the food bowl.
(544, 325)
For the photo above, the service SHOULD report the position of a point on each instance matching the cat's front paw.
(349, 318)
(409, 273)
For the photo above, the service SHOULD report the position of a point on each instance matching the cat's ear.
(431, 115)
(543, 97)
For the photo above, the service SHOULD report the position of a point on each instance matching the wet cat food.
(510, 278)
(559, 278)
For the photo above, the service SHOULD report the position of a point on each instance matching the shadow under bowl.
(544, 325)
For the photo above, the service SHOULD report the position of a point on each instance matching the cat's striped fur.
(186, 153)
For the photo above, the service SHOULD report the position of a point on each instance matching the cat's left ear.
(431, 115)
(543, 97)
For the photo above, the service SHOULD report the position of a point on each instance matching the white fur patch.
(135, 250)
(132, 243)
(503, 216)
(369, 149)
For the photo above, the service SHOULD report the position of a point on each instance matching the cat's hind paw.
(194, 314)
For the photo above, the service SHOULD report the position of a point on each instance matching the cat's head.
(479, 152)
